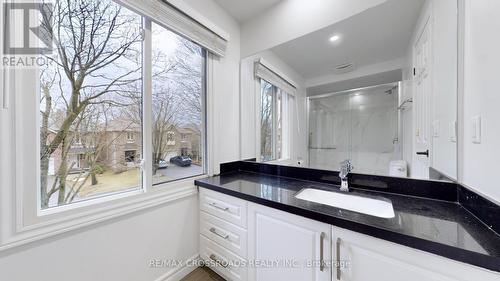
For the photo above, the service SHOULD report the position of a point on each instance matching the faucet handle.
(345, 168)
(346, 165)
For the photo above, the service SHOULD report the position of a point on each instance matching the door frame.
(424, 24)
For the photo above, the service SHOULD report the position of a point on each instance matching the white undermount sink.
(347, 201)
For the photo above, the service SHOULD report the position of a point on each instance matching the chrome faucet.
(345, 168)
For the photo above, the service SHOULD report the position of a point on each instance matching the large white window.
(178, 106)
(274, 122)
(95, 129)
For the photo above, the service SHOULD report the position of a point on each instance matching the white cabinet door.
(365, 258)
(287, 247)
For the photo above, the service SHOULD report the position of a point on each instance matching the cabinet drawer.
(228, 235)
(226, 207)
(222, 261)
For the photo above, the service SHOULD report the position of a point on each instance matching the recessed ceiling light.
(335, 38)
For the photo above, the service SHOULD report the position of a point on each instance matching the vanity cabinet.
(363, 257)
(286, 246)
(223, 234)
(246, 241)
(242, 240)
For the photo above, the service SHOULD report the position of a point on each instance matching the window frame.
(286, 123)
(146, 181)
(171, 137)
(78, 139)
(23, 219)
(130, 137)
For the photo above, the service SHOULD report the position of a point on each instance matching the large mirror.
(378, 88)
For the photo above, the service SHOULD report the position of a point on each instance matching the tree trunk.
(44, 171)
(63, 173)
(44, 158)
(93, 177)
(156, 161)
(62, 191)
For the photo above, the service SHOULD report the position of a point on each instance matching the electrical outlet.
(476, 129)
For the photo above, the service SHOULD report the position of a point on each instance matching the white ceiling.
(379, 34)
(243, 10)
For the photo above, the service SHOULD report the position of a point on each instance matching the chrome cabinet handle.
(338, 258)
(214, 258)
(214, 231)
(213, 204)
(321, 253)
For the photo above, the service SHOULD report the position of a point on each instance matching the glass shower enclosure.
(362, 125)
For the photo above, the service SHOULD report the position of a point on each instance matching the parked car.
(182, 161)
(162, 164)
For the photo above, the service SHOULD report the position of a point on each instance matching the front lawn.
(111, 182)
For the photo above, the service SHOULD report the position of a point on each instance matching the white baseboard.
(176, 274)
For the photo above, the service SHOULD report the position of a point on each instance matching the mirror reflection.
(378, 89)
(361, 125)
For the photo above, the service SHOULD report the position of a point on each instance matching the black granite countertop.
(441, 227)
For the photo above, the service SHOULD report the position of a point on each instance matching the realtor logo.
(27, 40)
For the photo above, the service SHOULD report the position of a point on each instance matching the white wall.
(290, 19)
(248, 92)
(121, 249)
(481, 96)
(118, 250)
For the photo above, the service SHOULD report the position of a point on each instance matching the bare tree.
(90, 37)
(165, 112)
(177, 89)
(96, 75)
(266, 120)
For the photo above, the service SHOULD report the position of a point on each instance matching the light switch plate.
(435, 128)
(453, 131)
(476, 129)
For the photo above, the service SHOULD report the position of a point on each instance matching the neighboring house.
(123, 147)
(190, 143)
(76, 159)
(183, 141)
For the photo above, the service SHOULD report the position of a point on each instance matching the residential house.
(122, 140)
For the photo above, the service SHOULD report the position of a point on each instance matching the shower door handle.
(426, 153)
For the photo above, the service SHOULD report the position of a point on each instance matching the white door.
(422, 104)
(287, 247)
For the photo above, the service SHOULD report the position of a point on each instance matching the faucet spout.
(345, 168)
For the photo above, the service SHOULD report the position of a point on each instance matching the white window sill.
(98, 211)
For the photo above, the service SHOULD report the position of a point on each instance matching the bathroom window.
(178, 105)
(97, 89)
(274, 122)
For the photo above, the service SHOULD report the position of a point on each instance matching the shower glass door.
(374, 131)
(329, 131)
(357, 125)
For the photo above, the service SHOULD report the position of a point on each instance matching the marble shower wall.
(361, 126)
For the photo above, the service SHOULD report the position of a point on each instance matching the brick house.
(124, 147)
